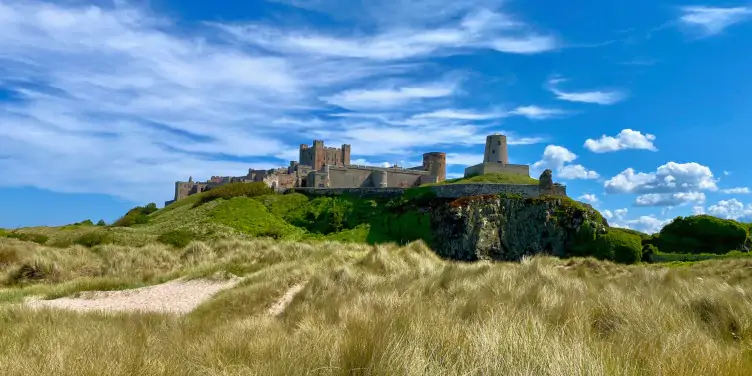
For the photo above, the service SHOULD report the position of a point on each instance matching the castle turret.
(496, 149)
(435, 163)
(346, 154)
(379, 178)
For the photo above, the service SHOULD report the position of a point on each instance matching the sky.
(640, 108)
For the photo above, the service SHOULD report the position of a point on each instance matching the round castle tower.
(380, 179)
(496, 149)
(435, 163)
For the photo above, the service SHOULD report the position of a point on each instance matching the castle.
(496, 159)
(319, 166)
(328, 169)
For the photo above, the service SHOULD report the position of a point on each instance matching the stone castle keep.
(328, 169)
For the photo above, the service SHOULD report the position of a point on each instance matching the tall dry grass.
(402, 311)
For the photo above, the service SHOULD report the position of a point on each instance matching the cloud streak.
(122, 101)
(713, 20)
(601, 97)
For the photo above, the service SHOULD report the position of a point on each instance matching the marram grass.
(386, 310)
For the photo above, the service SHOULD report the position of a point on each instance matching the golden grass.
(387, 310)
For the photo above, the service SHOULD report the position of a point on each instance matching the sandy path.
(281, 304)
(176, 297)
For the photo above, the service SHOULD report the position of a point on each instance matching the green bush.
(94, 238)
(648, 250)
(87, 222)
(231, 190)
(29, 237)
(101, 223)
(673, 257)
(3, 233)
(702, 234)
(136, 216)
(616, 245)
(177, 238)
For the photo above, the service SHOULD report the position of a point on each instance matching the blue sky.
(638, 108)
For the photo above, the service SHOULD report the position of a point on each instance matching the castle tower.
(319, 155)
(380, 179)
(435, 163)
(496, 149)
(346, 154)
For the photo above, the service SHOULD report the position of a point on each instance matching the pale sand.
(281, 304)
(175, 297)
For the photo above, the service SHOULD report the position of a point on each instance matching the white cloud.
(531, 44)
(731, 209)
(537, 113)
(461, 115)
(626, 139)
(409, 40)
(530, 112)
(698, 209)
(557, 158)
(713, 20)
(367, 99)
(591, 198)
(670, 199)
(648, 224)
(737, 190)
(602, 97)
(570, 172)
(671, 177)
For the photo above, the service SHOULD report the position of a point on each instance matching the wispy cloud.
(538, 113)
(530, 112)
(473, 30)
(713, 20)
(369, 99)
(602, 97)
(123, 101)
(737, 190)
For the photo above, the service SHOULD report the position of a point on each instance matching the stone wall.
(361, 192)
(443, 191)
(356, 176)
(497, 168)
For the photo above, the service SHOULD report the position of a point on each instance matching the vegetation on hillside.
(490, 178)
(136, 216)
(248, 210)
(231, 190)
(381, 310)
(703, 234)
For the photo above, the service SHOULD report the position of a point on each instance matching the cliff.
(503, 228)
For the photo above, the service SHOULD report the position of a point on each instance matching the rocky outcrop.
(493, 227)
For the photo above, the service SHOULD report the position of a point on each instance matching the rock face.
(497, 228)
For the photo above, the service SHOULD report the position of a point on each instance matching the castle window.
(493, 151)
(499, 143)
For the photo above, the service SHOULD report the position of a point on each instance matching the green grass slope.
(243, 211)
(490, 178)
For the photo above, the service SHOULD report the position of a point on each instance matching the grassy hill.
(490, 178)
